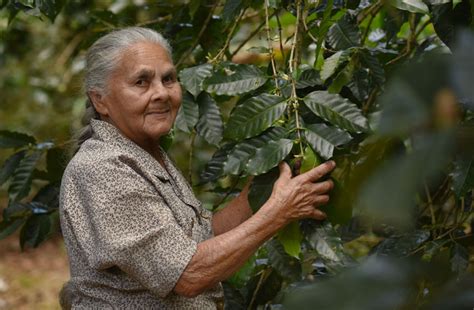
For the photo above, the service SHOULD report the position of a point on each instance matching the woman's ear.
(97, 99)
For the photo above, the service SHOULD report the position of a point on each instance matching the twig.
(292, 63)
(263, 276)
(257, 30)
(221, 53)
(196, 40)
(156, 20)
(430, 204)
(69, 49)
(270, 48)
(280, 38)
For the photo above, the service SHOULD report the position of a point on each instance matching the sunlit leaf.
(269, 156)
(290, 237)
(337, 110)
(254, 116)
(209, 125)
(324, 139)
(235, 80)
(331, 64)
(414, 6)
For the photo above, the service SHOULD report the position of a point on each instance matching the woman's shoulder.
(93, 155)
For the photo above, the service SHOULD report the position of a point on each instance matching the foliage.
(382, 88)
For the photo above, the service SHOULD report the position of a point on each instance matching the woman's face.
(143, 96)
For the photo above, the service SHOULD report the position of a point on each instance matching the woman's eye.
(140, 83)
(168, 79)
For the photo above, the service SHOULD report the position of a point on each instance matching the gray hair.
(102, 59)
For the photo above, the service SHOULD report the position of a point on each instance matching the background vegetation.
(382, 87)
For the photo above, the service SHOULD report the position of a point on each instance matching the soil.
(33, 278)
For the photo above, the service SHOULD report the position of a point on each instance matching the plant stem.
(221, 53)
(292, 64)
(257, 30)
(262, 278)
(196, 40)
(270, 48)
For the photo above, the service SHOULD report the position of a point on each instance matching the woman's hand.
(299, 197)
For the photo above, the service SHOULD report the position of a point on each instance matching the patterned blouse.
(130, 227)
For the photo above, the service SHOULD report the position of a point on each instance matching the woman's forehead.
(145, 55)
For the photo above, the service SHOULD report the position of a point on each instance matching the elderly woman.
(136, 236)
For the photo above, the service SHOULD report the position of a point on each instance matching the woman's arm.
(235, 213)
(219, 257)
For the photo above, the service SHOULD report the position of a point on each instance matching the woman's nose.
(160, 92)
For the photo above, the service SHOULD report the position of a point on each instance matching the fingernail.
(333, 163)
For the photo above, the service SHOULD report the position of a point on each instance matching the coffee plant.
(384, 88)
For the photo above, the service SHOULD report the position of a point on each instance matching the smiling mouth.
(159, 111)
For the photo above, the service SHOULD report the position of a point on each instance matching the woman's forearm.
(218, 258)
(235, 213)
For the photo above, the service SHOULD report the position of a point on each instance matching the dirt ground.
(33, 278)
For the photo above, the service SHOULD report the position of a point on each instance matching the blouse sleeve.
(126, 223)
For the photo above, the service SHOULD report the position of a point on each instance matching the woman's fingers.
(285, 170)
(321, 200)
(318, 172)
(318, 215)
(323, 187)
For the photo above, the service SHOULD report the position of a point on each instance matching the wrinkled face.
(143, 96)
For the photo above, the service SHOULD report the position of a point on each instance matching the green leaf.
(193, 78)
(310, 160)
(403, 244)
(21, 180)
(10, 139)
(209, 125)
(339, 207)
(308, 78)
(214, 168)
(269, 156)
(56, 161)
(333, 63)
(463, 176)
(342, 78)
(188, 114)
(328, 244)
(231, 9)
(287, 266)
(376, 69)
(344, 34)
(254, 116)
(243, 151)
(10, 165)
(50, 8)
(9, 227)
(36, 229)
(414, 6)
(323, 28)
(16, 210)
(459, 258)
(324, 139)
(235, 80)
(261, 189)
(336, 110)
(290, 237)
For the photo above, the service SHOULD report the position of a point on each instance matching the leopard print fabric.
(130, 227)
